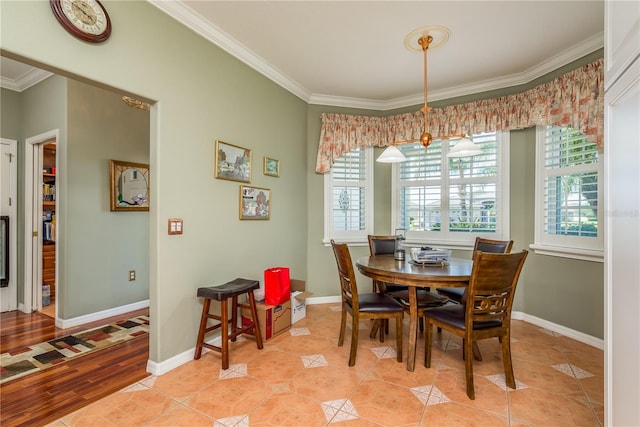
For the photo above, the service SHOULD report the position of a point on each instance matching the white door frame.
(33, 220)
(10, 208)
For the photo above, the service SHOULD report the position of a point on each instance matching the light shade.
(391, 155)
(464, 148)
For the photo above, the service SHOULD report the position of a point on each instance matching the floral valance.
(575, 99)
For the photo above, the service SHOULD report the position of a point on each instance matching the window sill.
(574, 253)
(350, 242)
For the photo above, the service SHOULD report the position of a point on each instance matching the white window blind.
(568, 190)
(349, 197)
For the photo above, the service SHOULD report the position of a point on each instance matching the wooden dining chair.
(482, 245)
(383, 245)
(486, 314)
(362, 306)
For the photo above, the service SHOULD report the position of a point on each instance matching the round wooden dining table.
(384, 268)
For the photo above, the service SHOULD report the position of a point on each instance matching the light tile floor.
(301, 378)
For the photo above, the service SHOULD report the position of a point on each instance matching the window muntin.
(349, 197)
(568, 172)
(452, 200)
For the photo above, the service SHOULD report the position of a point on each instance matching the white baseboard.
(323, 300)
(68, 323)
(562, 330)
(162, 368)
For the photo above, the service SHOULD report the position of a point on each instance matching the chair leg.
(508, 365)
(399, 337)
(476, 352)
(374, 328)
(343, 325)
(234, 317)
(428, 337)
(383, 326)
(224, 314)
(468, 369)
(203, 325)
(256, 325)
(354, 340)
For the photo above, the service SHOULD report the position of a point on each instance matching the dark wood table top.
(386, 269)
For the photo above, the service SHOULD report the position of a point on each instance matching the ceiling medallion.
(439, 33)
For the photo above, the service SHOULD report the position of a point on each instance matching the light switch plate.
(175, 226)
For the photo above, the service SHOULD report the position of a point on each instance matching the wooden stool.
(222, 293)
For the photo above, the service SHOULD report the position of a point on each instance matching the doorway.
(35, 222)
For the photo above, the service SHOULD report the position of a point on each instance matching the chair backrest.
(348, 285)
(380, 245)
(492, 287)
(493, 246)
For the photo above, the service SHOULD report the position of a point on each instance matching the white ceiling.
(352, 53)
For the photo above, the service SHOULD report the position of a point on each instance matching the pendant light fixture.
(465, 147)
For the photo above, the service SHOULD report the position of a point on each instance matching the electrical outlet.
(132, 275)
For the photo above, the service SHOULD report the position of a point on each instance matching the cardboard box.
(299, 294)
(273, 319)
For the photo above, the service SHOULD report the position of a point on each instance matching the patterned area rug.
(41, 356)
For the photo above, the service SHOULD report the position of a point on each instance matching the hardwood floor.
(40, 398)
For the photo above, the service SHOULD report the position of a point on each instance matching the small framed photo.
(271, 167)
(255, 202)
(232, 162)
(129, 186)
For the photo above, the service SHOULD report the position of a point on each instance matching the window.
(451, 201)
(568, 172)
(348, 201)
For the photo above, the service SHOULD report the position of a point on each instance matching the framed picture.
(232, 162)
(255, 202)
(129, 186)
(271, 167)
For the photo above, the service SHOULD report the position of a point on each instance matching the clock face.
(85, 19)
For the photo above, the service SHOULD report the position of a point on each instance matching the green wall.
(10, 106)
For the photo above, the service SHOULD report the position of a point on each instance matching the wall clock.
(87, 20)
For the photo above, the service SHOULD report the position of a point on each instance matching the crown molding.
(25, 81)
(185, 15)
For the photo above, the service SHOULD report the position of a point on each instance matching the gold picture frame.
(232, 162)
(271, 167)
(129, 186)
(255, 202)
